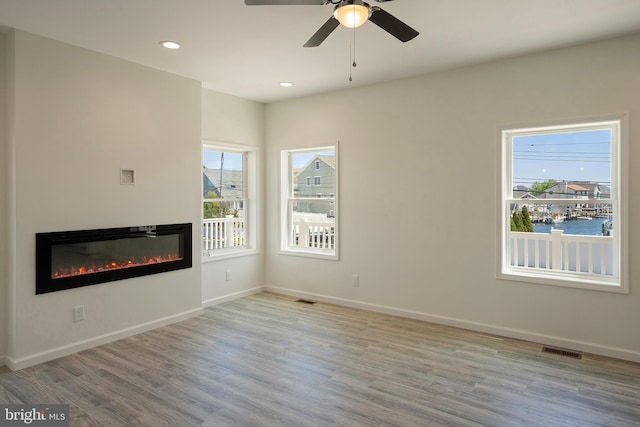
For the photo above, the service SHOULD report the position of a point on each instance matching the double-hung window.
(562, 216)
(228, 200)
(309, 214)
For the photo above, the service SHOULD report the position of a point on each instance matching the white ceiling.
(247, 50)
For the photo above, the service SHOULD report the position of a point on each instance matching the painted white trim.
(232, 253)
(230, 297)
(587, 347)
(45, 356)
(619, 124)
(252, 171)
(286, 197)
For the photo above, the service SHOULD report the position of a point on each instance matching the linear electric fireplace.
(71, 259)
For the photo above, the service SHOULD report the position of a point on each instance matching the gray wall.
(80, 116)
(229, 119)
(438, 133)
(3, 202)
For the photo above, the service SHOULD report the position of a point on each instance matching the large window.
(227, 202)
(563, 218)
(309, 214)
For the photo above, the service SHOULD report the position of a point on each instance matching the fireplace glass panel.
(94, 257)
(72, 259)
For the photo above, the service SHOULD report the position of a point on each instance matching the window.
(309, 216)
(563, 220)
(308, 181)
(228, 200)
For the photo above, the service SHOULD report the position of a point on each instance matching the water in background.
(576, 226)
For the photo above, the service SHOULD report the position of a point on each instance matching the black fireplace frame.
(45, 242)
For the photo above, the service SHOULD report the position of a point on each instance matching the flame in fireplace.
(112, 265)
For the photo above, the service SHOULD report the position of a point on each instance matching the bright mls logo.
(34, 415)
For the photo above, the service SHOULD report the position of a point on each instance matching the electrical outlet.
(78, 313)
(355, 280)
(227, 275)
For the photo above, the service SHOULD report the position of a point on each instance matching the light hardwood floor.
(267, 360)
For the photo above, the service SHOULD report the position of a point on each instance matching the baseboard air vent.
(562, 352)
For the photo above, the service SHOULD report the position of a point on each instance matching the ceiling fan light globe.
(352, 15)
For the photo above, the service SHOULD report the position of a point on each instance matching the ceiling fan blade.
(283, 2)
(392, 25)
(324, 31)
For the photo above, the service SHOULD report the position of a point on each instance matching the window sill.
(570, 281)
(310, 254)
(222, 254)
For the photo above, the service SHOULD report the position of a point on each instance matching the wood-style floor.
(267, 360)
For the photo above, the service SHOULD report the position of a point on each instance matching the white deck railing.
(313, 231)
(218, 233)
(564, 252)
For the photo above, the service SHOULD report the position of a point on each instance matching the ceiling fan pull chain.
(354, 46)
(352, 51)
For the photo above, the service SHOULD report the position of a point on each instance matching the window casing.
(228, 200)
(568, 179)
(309, 219)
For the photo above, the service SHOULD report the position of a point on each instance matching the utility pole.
(221, 210)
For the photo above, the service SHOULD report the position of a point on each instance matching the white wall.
(3, 202)
(79, 116)
(229, 119)
(415, 155)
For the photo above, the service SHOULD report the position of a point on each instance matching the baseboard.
(3, 361)
(586, 347)
(231, 297)
(24, 362)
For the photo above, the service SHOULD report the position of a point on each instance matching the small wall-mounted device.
(127, 176)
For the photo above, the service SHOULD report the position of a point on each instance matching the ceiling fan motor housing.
(352, 13)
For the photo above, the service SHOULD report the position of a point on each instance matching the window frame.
(249, 201)
(287, 197)
(618, 198)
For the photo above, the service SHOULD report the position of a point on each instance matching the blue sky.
(302, 158)
(572, 156)
(232, 160)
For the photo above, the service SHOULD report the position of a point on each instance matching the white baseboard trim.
(16, 364)
(231, 297)
(586, 347)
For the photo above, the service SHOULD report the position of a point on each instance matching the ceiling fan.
(351, 14)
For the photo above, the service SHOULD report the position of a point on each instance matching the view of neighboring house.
(225, 184)
(528, 199)
(317, 179)
(570, 190)
(573, 190)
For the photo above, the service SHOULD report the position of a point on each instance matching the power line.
(562, 160)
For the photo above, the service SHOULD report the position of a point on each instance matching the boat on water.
(587, 218)
(553, 219)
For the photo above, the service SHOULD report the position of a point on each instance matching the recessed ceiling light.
(170, 44)
(286, 84)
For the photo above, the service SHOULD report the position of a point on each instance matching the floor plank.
(267, 360)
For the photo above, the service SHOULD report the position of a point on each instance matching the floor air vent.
(305, 301)
(562, 352)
